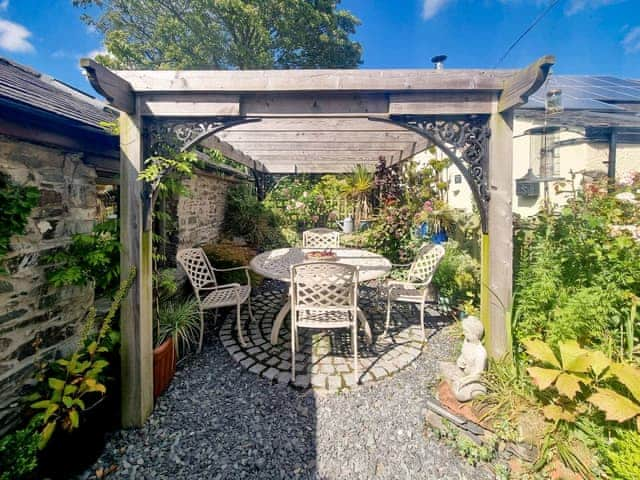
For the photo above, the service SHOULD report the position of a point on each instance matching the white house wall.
(574, 158)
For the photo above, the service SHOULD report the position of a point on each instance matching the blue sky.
(587, 36)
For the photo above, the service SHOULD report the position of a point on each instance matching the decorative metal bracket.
(179, 135)
(167, 137)
(466, 142)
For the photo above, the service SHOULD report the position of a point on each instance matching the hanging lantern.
(553, 102)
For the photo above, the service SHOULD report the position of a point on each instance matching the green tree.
(224, 34)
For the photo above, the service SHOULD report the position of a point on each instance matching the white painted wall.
(571, 158)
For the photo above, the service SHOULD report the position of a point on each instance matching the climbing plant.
(17, 202)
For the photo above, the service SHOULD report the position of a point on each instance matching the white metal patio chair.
(209, 294)
(324, 295)
(417, 287)
(320, 238)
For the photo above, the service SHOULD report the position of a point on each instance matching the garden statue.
(465, 376)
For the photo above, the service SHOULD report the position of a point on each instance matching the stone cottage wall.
(35, 318)
(201, 213)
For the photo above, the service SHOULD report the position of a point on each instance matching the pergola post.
(497, 244)
(136, 311)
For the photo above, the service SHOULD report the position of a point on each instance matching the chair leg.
(253, 320)
(239, 325)
(201, 330)
(294, 333)
(424, 335)
(354, 341)
(388, 320)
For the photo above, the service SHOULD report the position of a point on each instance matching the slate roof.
(26, 86)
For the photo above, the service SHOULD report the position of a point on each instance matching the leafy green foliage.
(577, 276)
(394, 234)
(622, 456)
(458, 277)
(229, 255)
(68, 386)
(302, 202)
(472, 452)
(179, 320)
(17, 203)
(89, 257)
(18, 453)
(225, 34)
(247, 217)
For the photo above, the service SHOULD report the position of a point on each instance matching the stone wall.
(201, 213)
(35, 318)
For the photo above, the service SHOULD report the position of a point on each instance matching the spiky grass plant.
(179, 320)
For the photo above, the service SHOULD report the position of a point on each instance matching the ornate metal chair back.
(425, 263)
(197, 267)
(320, 238)
(324, 285)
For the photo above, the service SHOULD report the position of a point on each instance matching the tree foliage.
(224, 34)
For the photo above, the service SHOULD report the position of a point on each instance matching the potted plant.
(177, 328)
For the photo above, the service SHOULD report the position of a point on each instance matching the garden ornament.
(465, 375)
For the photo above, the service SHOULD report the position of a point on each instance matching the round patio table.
(276, 264)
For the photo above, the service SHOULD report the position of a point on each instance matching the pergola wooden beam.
(310, 81)
(112, 87)
(518, 88)
(230, 152)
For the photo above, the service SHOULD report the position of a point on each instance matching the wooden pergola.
(315, 121)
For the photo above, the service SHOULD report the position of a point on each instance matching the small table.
(276, 264)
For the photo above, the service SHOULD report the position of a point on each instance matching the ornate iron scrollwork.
(466, 142)
(166, 137)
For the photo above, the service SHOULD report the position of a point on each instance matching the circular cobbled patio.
(325, 359)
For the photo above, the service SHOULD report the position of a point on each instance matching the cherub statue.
(465, 376)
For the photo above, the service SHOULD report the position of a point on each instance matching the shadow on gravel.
(218, 421)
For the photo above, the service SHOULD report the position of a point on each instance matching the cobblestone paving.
(325, 359)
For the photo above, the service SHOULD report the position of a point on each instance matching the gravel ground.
(218, 421)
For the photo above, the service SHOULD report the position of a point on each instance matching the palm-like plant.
(359, 185)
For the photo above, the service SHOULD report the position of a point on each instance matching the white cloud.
(14, 37)
(430, 8)
(97, 51)
(576, 6)
(631, 41)
(4, 5)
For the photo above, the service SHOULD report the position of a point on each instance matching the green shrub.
(229, 255)
(17, 202)
(577, 277)
(458, 277)
(247, 217)
(18, 453)
(622, 456)
(89, 257)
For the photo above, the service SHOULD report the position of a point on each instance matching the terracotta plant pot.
(164, 366)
